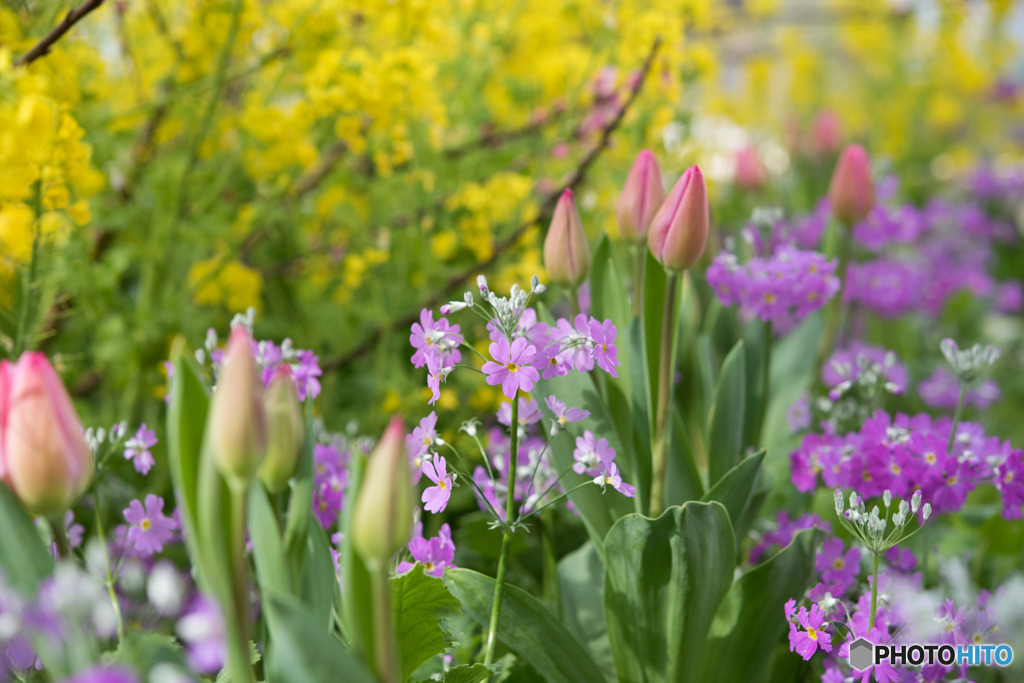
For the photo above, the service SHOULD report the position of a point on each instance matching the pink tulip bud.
(43, 455)
(382, 517)
(238, 420)
(827, 133)
(641, 197)
(285, 430)
(851, 193)
(680, 228)
(750, 171)
(566, 253)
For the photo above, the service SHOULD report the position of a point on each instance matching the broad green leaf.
(655, 285)
(301, 650)
(468, 673)
(142, 650)
(581, 577)
(751, 621)
(684, 482)
(664, 581)
(357, 606)
(725, 423)
(419, 602)
(300, 505)
(526, 627)
(318, 582)
(736, 488)
(23, 556)
(186, 423)
(642, 414)
(607, 288)
(267, 548)
(754, 341)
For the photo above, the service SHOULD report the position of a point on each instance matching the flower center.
(952, 480)
(429, 566)
(930, 457)
(838, 563)
(442, 485)
(895, 468)
(1008, 478)
(812, 634)
(512, 367)
(867, 476)
(769, 298)
(145, 524)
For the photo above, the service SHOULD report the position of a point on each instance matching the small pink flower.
(150, 528)
(511, 366)
(435, 498)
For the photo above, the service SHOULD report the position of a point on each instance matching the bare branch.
(70, 19)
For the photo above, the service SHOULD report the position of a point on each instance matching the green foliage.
(419, 603)
(664, 581)
(526, 627)
(726, 420)
(581, 579)
(23, 556)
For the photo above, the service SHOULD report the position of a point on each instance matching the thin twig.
(70, 19)
(577, 176)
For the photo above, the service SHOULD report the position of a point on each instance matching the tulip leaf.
(357, 607)
(267, 548)
(581, 578)
(302, 651)
(725, 423)
(526, 627)
(750, 622)
(317, 581)
(419, 603)
(23, 556)
(664, 581)
(300, 504)
(468, 673)
(736, 488)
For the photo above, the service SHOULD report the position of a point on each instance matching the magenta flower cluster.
(905, 453)
(782, 288)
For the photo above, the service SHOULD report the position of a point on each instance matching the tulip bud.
(43, 455)
(285, 430)
(826, 133)
(851, 193)
(566, 253)
(750, 171)
(680, 228)
(641, 197)
(382, 517)
(238, 420)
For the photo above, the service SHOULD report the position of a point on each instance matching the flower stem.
(239, 660)
(574, 302)
(384, 638)
(106, 561)
(639, 259)
(506, 534)
(874, 593)
(60, 537)
(666, 365)
(766, 378)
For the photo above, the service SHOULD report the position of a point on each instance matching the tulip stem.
(639, 259)
(239, 660)
(384, 644)
(60, 537)
(574, 302)
(659, 454)
(506, 533)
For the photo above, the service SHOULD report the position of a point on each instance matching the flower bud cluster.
(878, 531)
(968, 364)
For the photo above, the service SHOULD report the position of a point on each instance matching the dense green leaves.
(735, 489)
(419, 603)
(725, 423)
(664, 581)
(526, 627)
(751, 622)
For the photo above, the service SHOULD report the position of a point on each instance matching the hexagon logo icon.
(862, 654)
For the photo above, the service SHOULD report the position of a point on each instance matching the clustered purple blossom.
(860, 361)
(435, 554)
(137, 450)
(941, 391)
(781, 288)
(906, 453)
(330, 480)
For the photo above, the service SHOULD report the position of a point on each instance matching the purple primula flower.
(511, 366)
(150, 528)
(436, 374)
(610, 477)
(1009, 480)
(431, 338)
(807, 641)
(305, 374)
(436, 554)
(563, 414)
(577, 346)
(137, 449)
(529, 412)
(884, 672)
(591, 454)
(941, 391)
(418, 444)
(837, 567)
(105, 674)
(605, 351)
(862, 361)
(435, 498)
(555, 364)
(536, 333)
(202, 631)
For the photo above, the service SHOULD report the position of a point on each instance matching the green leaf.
(318, 582)
(142, 650)
(664, 581)
(725, 423)
(750, 622)
(526, 627)
(468, 673)
(301, 651)
(23, 556)
(581, 578)
(419, 603)
(186, 423)
(607, 288)
(736, 488)
(655, 286)
(267, 548)
(300, 504)
(357, 605)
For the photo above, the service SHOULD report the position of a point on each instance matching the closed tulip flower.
(750, 171)
(641, 197)
(382, 517)
(679, 230)
(285, 430)
(238, 421)
(852, 193)
(566, 252)
(43, 455)
(827, 133)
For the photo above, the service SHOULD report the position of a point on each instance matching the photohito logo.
(864, 655)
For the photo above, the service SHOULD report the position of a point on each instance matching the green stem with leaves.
(666, 367)
(639, 259)
(506, 536)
